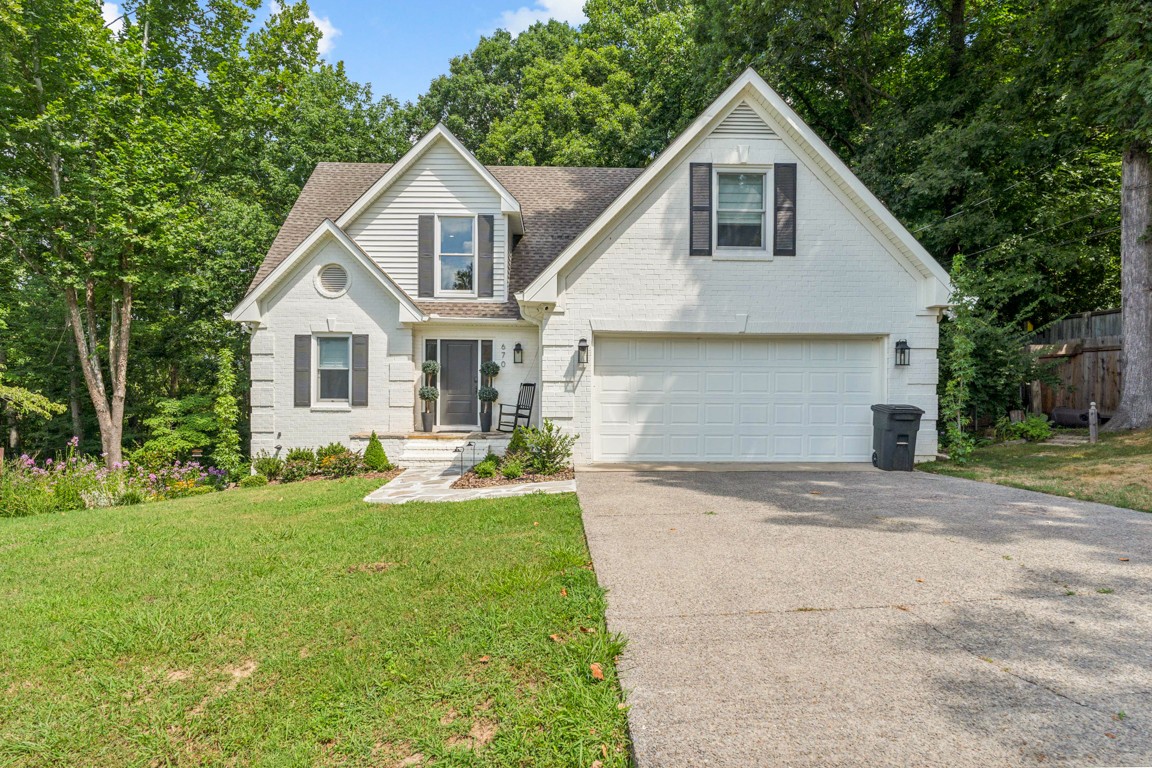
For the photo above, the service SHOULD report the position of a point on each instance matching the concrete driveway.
(865, 618)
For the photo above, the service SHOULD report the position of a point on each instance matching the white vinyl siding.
(441, 183)
(735, 399)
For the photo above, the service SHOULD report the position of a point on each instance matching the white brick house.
(739, 299)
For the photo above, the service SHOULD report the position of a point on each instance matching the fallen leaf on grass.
(596, 764)
(597, 673)
(557, 639)
(588, 630)
(563, 592)
(484, 659)
(604, 750)
(621, 705)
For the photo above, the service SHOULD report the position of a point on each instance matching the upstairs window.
(333, 368)
(456, 255)
(740, 210)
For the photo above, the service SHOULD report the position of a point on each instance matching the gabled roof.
(247, 309)
(439, 134)
(751, 89)
(558, 204)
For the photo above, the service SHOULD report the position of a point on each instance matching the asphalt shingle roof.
(557, 205)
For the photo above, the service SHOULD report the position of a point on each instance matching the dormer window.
(456, 256)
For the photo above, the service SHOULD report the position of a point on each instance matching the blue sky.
(400, 46)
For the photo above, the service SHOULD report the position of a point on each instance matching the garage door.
(724, 399)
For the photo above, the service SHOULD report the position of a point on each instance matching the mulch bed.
(470, 480)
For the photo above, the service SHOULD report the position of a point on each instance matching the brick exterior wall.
(640, 278)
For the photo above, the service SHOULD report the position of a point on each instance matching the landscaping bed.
(298, 625)
(1117, 470)
(471, 480)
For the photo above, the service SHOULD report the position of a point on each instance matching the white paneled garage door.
(726, 399)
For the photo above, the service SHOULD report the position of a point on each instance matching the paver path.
(434, 483)
(869, 618)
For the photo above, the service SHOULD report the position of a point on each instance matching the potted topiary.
(487, 394)
(428, 393)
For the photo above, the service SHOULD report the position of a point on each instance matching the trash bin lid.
(897, 408)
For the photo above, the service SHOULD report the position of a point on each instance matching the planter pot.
(486, 421)
(426, 419)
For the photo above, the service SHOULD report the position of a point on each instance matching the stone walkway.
(434, 484)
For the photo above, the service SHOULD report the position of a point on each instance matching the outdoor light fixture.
(903, 352)
(518, 353)
(582, 352)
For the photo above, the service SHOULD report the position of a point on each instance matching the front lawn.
(1117, 470)
(297, 625)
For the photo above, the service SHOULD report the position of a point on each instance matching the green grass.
(1117, 470)
(296, 625)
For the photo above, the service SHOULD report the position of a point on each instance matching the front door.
(459, 368)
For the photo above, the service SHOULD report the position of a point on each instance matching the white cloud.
(328, 30)
(571, 11)
(328, 33)
(112, 16)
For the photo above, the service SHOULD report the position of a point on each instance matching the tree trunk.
(109, 406)
(1135, 411)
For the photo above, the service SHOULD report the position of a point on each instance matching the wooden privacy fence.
(1084, 353)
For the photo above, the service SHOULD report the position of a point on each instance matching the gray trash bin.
(894, 429)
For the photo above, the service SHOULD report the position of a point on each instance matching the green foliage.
(297, 469)
(490, 369)
(306, 455)
(548, 449)
(226, 452)
(487, 394)
(25, 403)
(253, 481)
(492, 457)
(512, 469)
(332, 449)
(375, 459)
(177, 427)
(343, 463)
(1034, 428)
(269, 466)
(485, 469)
(518, 443)
(430, 368)
(954, 400)
(429, 394)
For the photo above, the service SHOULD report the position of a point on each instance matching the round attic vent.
(333, 280)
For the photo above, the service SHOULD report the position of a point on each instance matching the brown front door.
(459, 369)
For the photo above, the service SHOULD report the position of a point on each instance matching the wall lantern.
(518, 353)
(582, 352)
(903, 352)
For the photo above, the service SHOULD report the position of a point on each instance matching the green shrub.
(1035, 428)
(345, 463)
(132, 496)
(253, 481)
(485, 469)
(549, 449)
(269, 466)
(492, 457)
(512, 469)
(332, 449)
(490, 368)
(301, 454)
(296, 469)
(374, 457)
(519, 441)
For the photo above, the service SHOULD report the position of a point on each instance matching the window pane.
(739, 230)
(456, 235)
(332, 353)
(334, 385)
(741, 191)
(455, 273)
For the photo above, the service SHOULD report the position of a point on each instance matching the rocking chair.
(511, 416)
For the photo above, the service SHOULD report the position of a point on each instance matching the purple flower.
(74, 442)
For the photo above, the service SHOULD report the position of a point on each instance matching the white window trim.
(739, 252)
(439, 292)
(344, 404)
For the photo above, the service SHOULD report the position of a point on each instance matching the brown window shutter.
(784, 231)
(359, 369)
(427, 259)
(302, 372)
(700, 221)
(485, 237)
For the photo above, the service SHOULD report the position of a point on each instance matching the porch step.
(420, 452)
